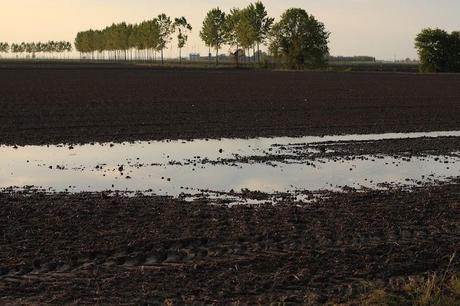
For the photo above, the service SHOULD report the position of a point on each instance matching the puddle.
(168, 167)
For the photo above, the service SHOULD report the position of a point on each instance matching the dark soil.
(47, 103)
(93, 248)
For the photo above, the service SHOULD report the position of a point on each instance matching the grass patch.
(437, 290)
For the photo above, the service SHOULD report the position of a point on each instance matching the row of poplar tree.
(33, 48)
(133, 41)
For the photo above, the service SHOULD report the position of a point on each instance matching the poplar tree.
(213, 30)
(183, 28)
(262, 24)
(166, 27)
(232, 21)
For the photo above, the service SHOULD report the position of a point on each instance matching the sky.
(381, 28)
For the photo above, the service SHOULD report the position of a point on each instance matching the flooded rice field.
(267, 165)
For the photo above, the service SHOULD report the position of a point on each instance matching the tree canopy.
(300, 39)
(439, 51)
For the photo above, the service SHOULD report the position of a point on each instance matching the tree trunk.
(217, 56)
(258, 53)
(237, 57)
(162, 59)
(180, 55)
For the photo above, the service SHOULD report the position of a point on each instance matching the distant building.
(195, 57)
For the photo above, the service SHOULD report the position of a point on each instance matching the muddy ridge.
(404, 148)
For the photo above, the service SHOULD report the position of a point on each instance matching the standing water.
(175, 167)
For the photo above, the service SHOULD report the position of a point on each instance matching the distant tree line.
(439, 51)
(34, 48)
(141, 41)
(351, 58)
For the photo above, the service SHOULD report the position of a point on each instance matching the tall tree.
(245, 29)
(213, 30)
(166, 27)
(183, 28)
(232, 21)
(262, 24)
(78, 43)
(455, 50)
(121, 33)
(147, 38)
(152, 36)
(300, 39)
(439, 51)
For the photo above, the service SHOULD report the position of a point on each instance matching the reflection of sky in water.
(81, 174)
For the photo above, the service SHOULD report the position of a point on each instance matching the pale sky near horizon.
(381, 28)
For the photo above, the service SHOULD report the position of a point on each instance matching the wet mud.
(96, 248)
